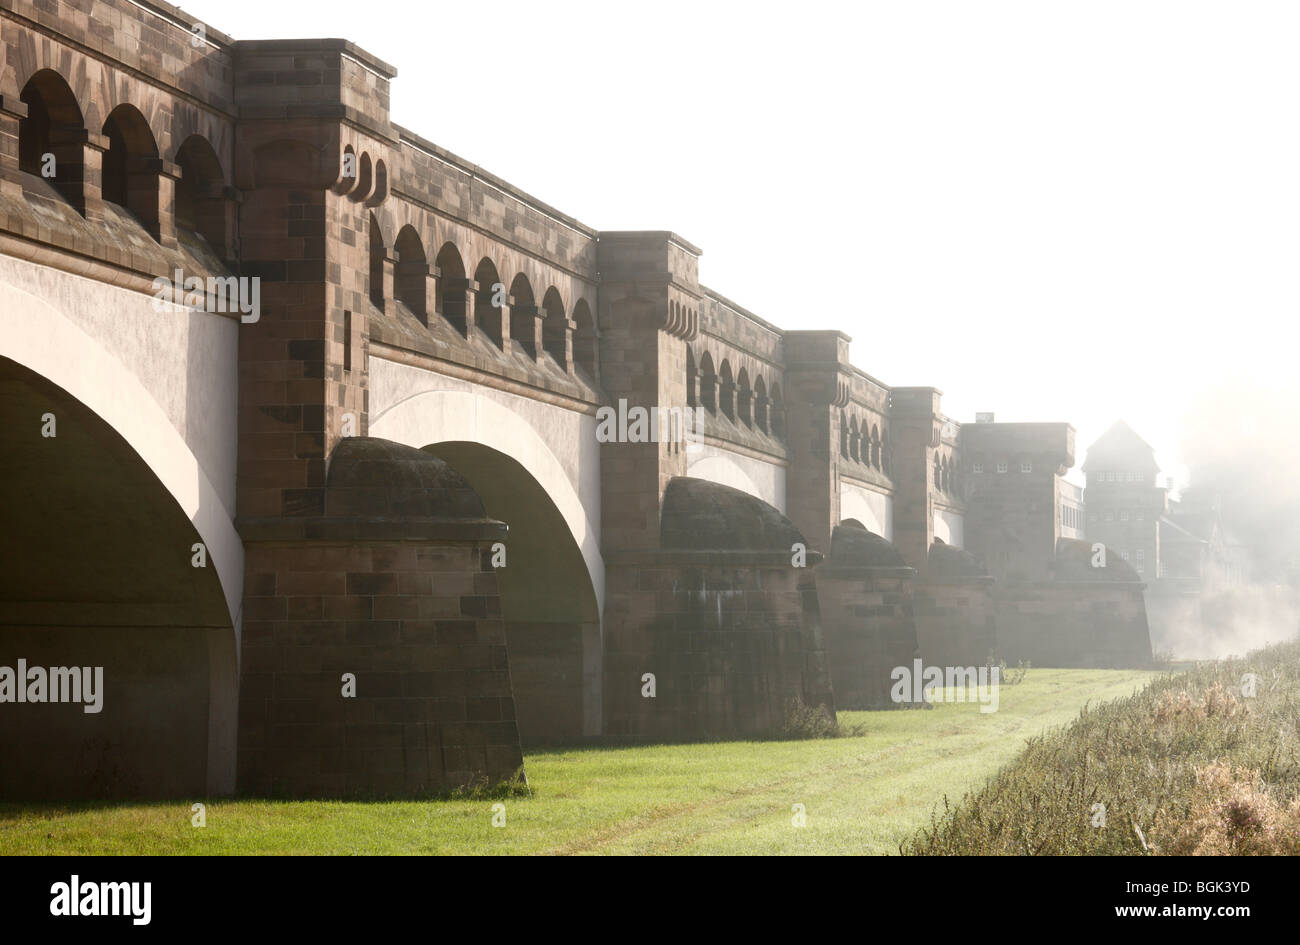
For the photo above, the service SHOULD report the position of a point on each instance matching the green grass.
(1150, 760)
(862, 794)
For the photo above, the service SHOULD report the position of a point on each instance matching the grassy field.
(1200, 763)
(862, 794)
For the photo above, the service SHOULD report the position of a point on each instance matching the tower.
(1123, 499)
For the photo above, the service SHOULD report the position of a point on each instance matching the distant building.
(1124, 503)
(1024, 569)
(1168, 542)
(1016, 497)
(1180, 548)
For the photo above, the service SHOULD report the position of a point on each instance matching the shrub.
(1231, 814)
(805, 721)
(1008, 677)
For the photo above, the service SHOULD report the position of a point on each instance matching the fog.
(1239, 448)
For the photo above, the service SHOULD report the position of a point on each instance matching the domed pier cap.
(1074, 563)
(699, 515)
(949, 561)
(380, 490)
(853, 546)
(374, 477)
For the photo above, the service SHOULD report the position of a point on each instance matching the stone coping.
(323, 45)
(407, 136)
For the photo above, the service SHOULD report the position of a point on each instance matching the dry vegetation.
(1191, 765)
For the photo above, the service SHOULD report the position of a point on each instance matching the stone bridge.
(387, 476)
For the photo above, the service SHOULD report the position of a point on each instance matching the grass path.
(861, 795)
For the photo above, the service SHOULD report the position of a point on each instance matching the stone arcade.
(421, 386)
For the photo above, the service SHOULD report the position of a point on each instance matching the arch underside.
(99, 572)
(101, 521)
(551, 618)
(875, 510)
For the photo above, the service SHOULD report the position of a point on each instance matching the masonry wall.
(1090, 624)
(955, 620)
(869, 629)
(730, 639)
(914, 421)
(546, 674)
(150, 737)
(1014, 517)
(418, 624)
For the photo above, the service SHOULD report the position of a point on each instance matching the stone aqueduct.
(353, 460)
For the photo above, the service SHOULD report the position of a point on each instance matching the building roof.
(1121, 446)
(1171, 532)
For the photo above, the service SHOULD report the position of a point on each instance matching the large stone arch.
(166, 620)
(37, 336)
(552, 620)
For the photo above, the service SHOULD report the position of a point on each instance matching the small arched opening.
(449, 287)
(488, 316)
(523, 317)
(378, 253)
(708, 384)
(130, 167)
(760, 403)
(50, 138)
(555, 328)
(726, 390)
(200, 205)
(744, 399)
(584, 340)
(411, 273)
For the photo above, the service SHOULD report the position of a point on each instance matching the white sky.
(1055, 211)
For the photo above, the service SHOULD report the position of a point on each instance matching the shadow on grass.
(15, 811)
